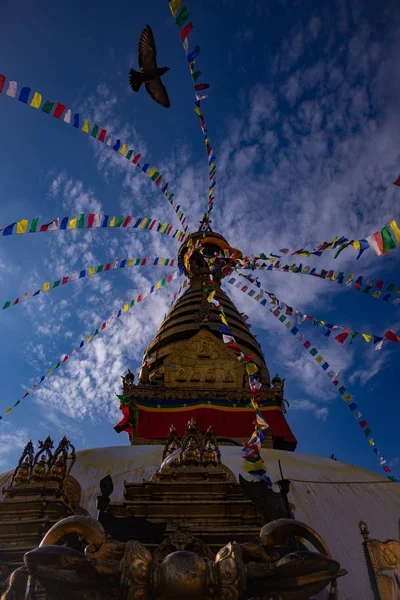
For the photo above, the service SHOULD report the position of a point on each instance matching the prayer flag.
(12, 89)
(102, 135)
(388, 243)
(201, 86)
(21, 226)
(76, 121)
(86, 125)
(342, 337)
(36, 100)
(95, 131)
(47, 106)
(175, 6)
(397, 182)
(395, 229)
(194, 53)
(24, 94)
(182, 17)
(59, 109)
(2, 81)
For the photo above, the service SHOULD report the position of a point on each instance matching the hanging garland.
(93, 221)
(154, 288)
(339, 277)
(96, 132)
(181, 15)
(331, 374)
(116, 264)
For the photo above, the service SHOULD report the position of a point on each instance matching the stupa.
(174, 514)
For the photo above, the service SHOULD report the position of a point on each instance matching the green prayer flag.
(34, 225)
(342, 390)
(155, 176)
(96, 332)
(196, 75)
(132, 303)
(148, 221)
(120, 221)
(81, 223)
(137, 262)
(262, 255)
(367, 289)
(388, 243)
(313, 351)
(129, 154)
(353, 335)
(163, 282)
(7, 304)
(57, 365)
(182, 16)
(95, 131)
(390, 287)
(99, 269)
(282, 318)
(166, 263)
(19, 402)
(367, 432)
(57, 283)
(323, 273)
(47, 106)
(392, 478)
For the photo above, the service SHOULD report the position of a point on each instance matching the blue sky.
(303, 115)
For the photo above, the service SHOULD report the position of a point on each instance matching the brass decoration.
(24, 469)
(229, 563)
(203, 362)
(129, 572)
(199, 460)
(182, 539)
(383, 559)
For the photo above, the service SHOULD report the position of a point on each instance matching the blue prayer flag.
(192, 55)
(64, 223)
(76, 120)
(24, 94)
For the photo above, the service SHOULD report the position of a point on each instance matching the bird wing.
(147, 50)
(158, 92)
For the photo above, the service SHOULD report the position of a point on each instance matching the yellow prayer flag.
(225, 322)
(396, 230)
(72, 223)
(91, 270)
(151, 172)
(46, 287)
(161, 261)
(210, 168)
(350, 277)
(144, 223)
(21, 226)
(89, 337)
(49, 373)
(164, 227)
(322, 322)
(207, 140)
(347, 398)
(130, 262)
(112, 222)
(158, 285)
(9, 409)
(371, 441)
(86, 125)
(175, 6)
(367, 337)
(272, 259)
(398, 291)
(257, 466)
(36, 100)
(319, 359)
(376, 294)
(123, 149)
(126, 307)
(197, 111)
(211, 296)
(288, 324)
(356, 245)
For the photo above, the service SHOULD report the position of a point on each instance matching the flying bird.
(150, 73)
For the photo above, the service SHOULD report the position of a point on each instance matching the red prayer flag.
(201, 86)
(152, 225)
(136, 159)
(379, 241)
(90, 220)
(104, 326)
(363, 424)
(25, 395)
(3, 79)
(102, 135)
(126, 221)
(158, 180)
(397, 182)
(59, 110)
(307, 345)
(169, 278)
(387, 469)
(342, 337)
(107, 267)
(16, 302)
(379, 284)
(390, 335)
(185, 32)
(139, 298)
(65, 280)
(143, 261)
(169, 230)
(65, 358)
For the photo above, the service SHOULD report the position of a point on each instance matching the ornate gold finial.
(25, 465)
(40, 470)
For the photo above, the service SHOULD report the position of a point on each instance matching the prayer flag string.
(154, 288)
(319, 359)
(181, 14)
(116, 264)
(328, 328)
(387, 294)
(93, 221)
(99, 133)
